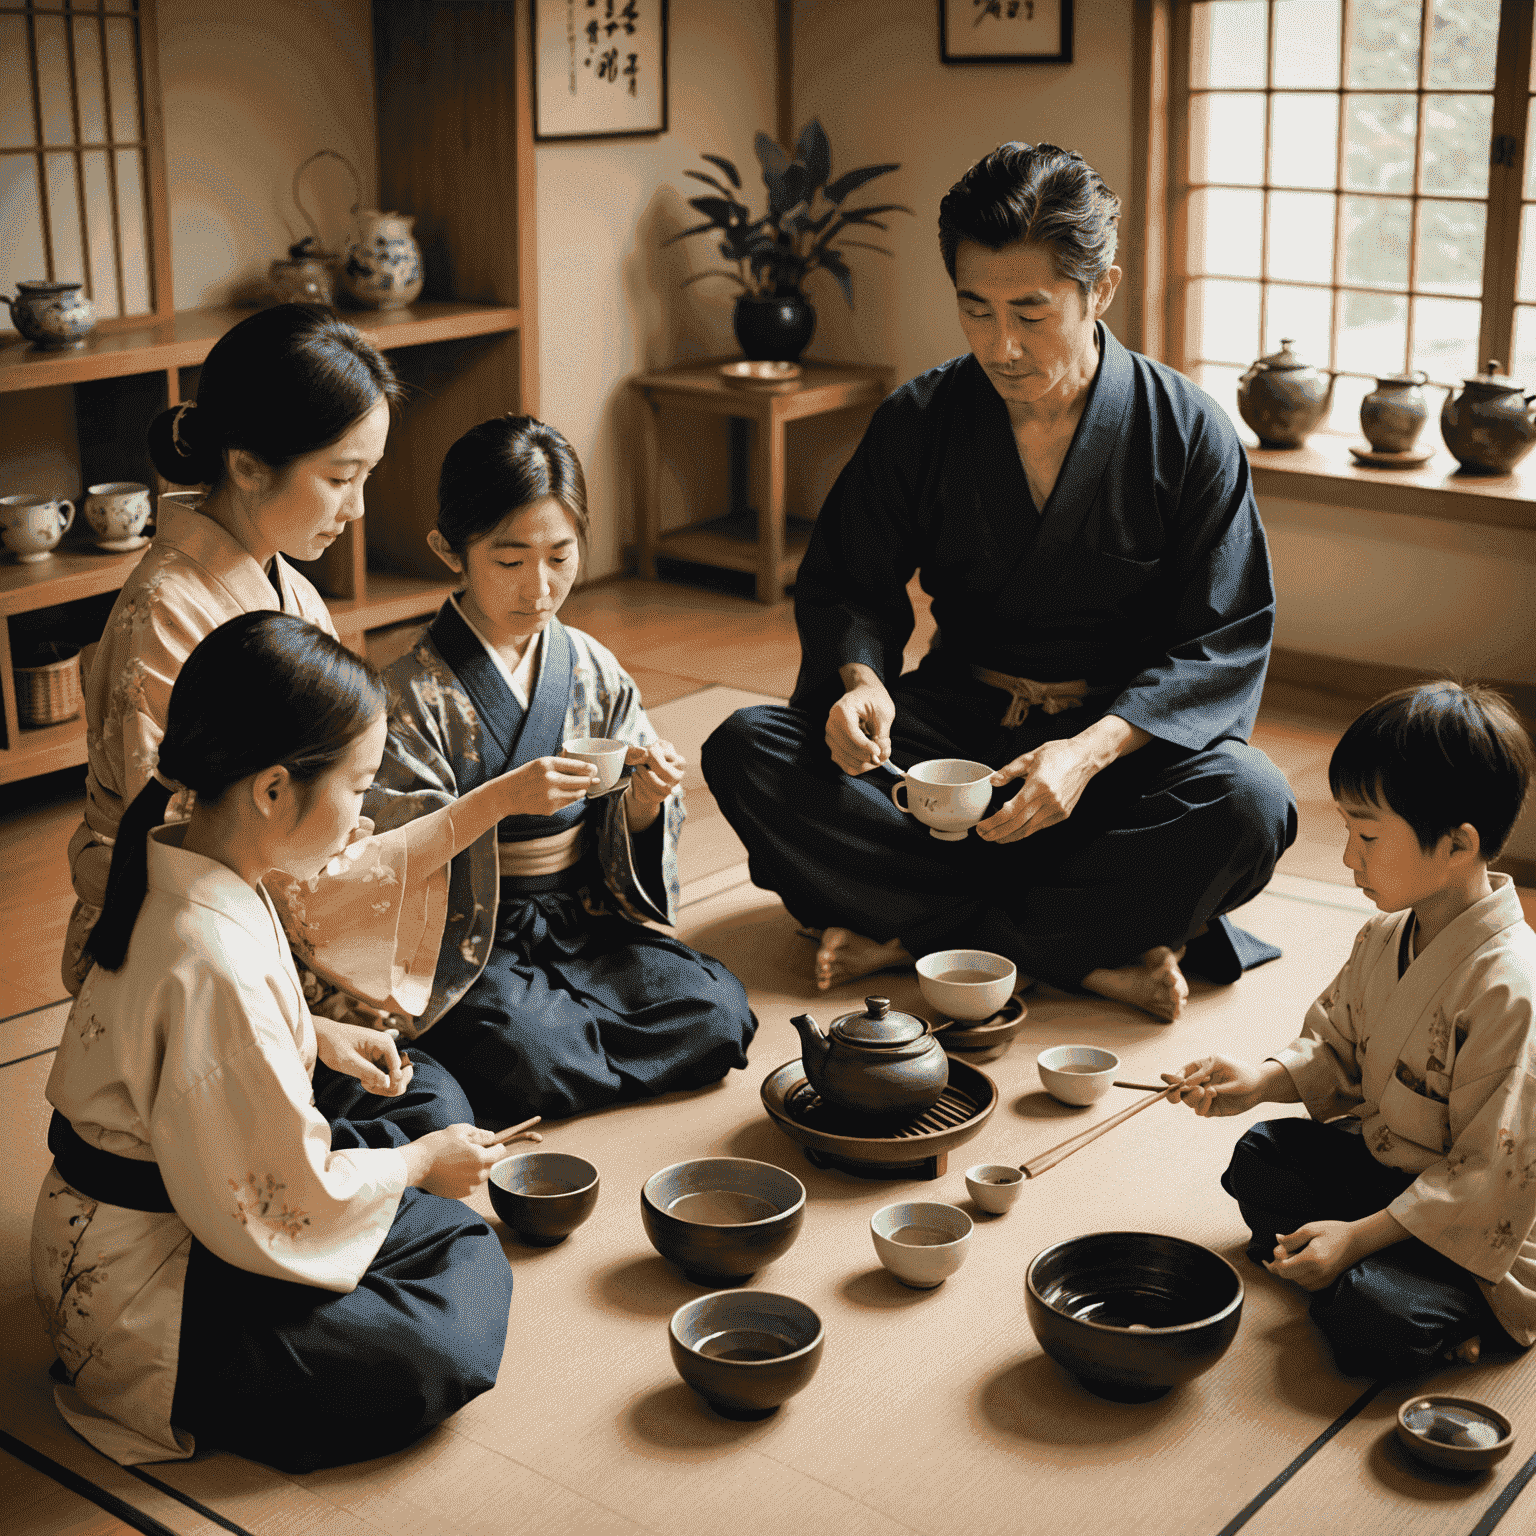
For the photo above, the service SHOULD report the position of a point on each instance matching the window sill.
(1322, 470)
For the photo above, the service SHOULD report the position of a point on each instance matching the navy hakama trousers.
(1392, 1314)
(301, 1378)
(573, 1011)
(1162, 842)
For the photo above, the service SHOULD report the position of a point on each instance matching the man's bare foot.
(1467, 1352)
(845, 956)
(1156, 985)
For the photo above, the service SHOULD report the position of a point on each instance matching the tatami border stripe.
(1507, 1496)
(17, 1060)
(186, 1498)
(1249, 1510)
(28, 1012)
(86, 1488)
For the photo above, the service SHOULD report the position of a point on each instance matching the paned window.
(1342, 170)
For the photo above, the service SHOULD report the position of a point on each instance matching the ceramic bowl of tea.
(745, 1352)
(994, 1186)
(1455, 1433)
(1132, 1314)
(966, 983)
(921, 1242)
(721, 1219)
(543, 1196)
(1077, 1074)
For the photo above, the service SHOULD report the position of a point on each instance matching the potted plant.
(806, 228)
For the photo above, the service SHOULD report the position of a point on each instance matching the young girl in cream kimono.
(291, 416)
(1405, 1203)
(552, 995)
(217, 1263)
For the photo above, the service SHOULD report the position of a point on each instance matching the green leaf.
(722, 210)
(682, 234)
(815, 154)
(839, 270)
(726, 166)
(770, 156)
(853, 214)
(868, 245)
(851, 181)
(709, 181)
(698, 277)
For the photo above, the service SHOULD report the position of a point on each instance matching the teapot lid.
(1284, 360)
(1493, 378)
(878, 1025)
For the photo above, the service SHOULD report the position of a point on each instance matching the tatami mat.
(933, 1412)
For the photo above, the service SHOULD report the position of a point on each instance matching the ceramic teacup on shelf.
(117, 511)
(31, 525)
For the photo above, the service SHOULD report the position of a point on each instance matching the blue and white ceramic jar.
(51, 315)
(382, 265)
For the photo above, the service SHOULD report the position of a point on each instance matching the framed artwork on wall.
(1005, 31)
(599, 68)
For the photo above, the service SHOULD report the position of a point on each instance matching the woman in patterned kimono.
(291, 415)
(552, 996)
(1406, 1203)
(217, 1262)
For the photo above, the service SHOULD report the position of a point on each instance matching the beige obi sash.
(1026, 692)
(540, 855)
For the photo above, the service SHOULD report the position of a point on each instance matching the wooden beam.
(783, 75)
(1144, 224)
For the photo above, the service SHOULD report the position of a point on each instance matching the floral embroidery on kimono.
(1447, 1091)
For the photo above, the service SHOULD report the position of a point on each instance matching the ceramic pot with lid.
(1394, 413)
(878, 1063)
(1489, 426)
(382, 268)
(51, 316)
(1283, 398)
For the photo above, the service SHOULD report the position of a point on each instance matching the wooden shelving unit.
(455, 133)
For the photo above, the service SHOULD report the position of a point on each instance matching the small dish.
(543, 1196)
(994, 1186)
(759, 375)
(1455, 1433)
(921, 1242)
(1407, 459)
(745, 1352)
(1077, 1074)
(989, 1039)
(966, 983)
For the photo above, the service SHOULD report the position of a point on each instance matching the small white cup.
(994, 1186)
(117, 511)
(921, 1242)
(31, 525)
(949, 795)
(1077, 1074)
(986, 985)
(604, 753)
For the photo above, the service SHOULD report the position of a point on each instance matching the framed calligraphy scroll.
(1005, 31)
(599, 68)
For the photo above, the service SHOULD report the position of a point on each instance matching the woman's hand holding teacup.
(658, 770)
(544, 786)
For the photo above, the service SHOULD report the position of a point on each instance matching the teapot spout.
(814, 1047)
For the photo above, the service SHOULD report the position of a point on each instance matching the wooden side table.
(772, 556)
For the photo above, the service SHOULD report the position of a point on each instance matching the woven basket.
(49, 694)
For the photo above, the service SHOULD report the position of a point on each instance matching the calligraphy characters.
(614, 19)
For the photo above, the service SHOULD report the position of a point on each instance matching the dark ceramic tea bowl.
(1132, 1314)
(1454, 1432)
(720, 1219)
(543, 1196)
(745, 1352)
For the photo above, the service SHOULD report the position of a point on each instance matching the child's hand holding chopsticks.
(1228, 1086)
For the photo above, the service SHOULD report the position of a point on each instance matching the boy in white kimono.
(1406, 1202)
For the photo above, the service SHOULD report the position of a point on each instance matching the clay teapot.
(1394, 413)
(1489, 425)
(877, 1063)
(52, 316)
(1283, 398)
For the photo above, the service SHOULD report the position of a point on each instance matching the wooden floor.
(933, 1412)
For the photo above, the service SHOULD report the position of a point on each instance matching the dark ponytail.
(282, 383)
(264, 689)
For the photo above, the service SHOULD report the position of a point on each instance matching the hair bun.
(177, 449)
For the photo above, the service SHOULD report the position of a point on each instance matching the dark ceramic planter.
(776, 329)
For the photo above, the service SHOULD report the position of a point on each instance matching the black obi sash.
(509, 735)
(104, 1176)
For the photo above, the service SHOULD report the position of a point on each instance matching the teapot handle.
(357, 187)
(1419, 376)
(10, 304)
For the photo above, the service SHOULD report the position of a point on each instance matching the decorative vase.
(774, 328)
(51, 316)
(1394, 413)
(382, 268)
(1489, 426)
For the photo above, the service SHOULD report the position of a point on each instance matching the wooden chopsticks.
(1062, 1150)
(513, 1132)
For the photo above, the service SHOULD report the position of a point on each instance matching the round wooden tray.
(920, 1148)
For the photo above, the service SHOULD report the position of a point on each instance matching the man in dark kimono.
(1083, 520)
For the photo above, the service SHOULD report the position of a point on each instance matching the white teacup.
(604, 753)
(949, 795)
(31, 525)
(117, 511)
(966, 983)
